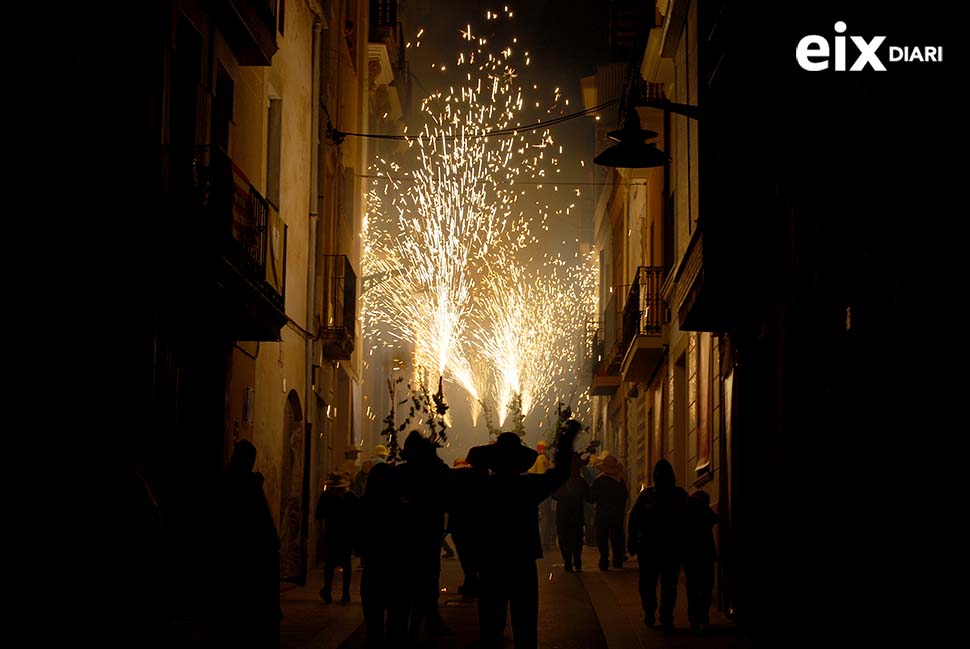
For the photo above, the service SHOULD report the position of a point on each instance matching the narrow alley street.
(586, 610)
(680, 276)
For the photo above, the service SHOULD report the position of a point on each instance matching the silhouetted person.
(570, 515)
(383, 587)
(657, 524)
(589, 512)
(510, 533)
(547, 531)
(250, 606)
(609, 495)
(423, 478)
(378, 454)
(337, 508)
(700, 554)
(464, 522)
(449, 551)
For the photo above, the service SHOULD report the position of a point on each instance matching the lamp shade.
(631, 133)
(632, 152)
(632, 155)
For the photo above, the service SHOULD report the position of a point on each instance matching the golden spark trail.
(443, 237)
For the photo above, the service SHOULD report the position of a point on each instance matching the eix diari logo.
(813, 52)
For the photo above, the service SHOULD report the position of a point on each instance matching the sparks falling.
(444, 239)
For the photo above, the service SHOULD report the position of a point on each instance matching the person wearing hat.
(609, 495)
(423, 479)
(508, 527)
(547, 530)
(378, 454)
(337, 508)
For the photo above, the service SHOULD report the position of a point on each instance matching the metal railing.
(339, 294)
(644, 312)
(608, 341)
(235, 217)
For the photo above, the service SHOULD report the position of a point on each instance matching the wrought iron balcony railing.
(644, 312)
(338, 323)
(213, 196)
(608, 342)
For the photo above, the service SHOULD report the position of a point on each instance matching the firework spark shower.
(447, 240)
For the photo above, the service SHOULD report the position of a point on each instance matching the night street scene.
(606, 324)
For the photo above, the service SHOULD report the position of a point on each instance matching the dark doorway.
(292, 493)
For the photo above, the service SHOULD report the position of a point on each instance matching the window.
(222, 109)
(704, 384)
(274, 139)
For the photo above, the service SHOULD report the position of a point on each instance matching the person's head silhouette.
(243, 457)
(380, 483)
(663, 475)
(417, 448)
(508, 455)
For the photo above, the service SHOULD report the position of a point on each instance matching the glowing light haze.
(447, 245)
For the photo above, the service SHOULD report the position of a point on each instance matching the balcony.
(339, 317)
(249, 27)
(644, 316)
(225, 241)
(386, 61)
(607, 351)
(700, 298)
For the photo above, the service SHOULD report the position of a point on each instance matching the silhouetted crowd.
(496, 504)
(491, 501)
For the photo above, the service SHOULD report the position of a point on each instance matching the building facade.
(251, 266)
(658, 381)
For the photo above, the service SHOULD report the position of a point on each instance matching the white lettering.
(812, 52)
(805, 52)
(840, 27)
(867, 54)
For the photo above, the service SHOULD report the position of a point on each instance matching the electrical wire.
(554, 181)
(337, 134)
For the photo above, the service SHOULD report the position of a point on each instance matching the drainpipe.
(310, 406)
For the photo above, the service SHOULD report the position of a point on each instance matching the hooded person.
(249, 604)
(609, 495)
(509, 532)
(657, 526)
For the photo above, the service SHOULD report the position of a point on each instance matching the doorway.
(293, 510)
